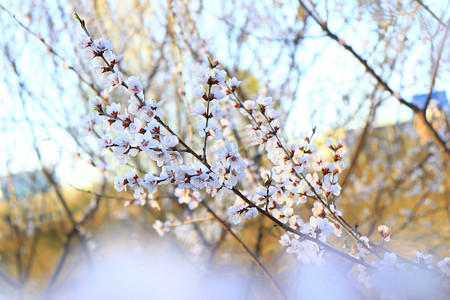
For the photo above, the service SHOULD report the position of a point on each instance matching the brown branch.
(302, 235)
(50, 49)
(89, 214)
(413, 214)
(358, 149)
(32, 255)
(61, 262)
(364, 62)
(363, 137)
(173, 36)
(215, 247)
(49, 176)
(268, 215)
(430, 12)
(437, 139)
(246, 250)
(10, 281)
(435, 67)
(118, 198)
(18, 253)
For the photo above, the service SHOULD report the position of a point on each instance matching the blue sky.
(317, 100)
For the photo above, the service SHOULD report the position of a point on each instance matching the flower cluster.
(139, 129)
(297, 174)
(385, 232)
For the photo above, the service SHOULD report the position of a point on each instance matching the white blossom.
(251, 213)
(235, 214)
(134, 85)
(233, 83)
(161, 228)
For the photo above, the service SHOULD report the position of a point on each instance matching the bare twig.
(435, 67)
(118, 198)
(50, 49)
(431, 12)
(246, 249)
(437, 139)
(358, 149)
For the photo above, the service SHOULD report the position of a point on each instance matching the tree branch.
(437, 139)
(246, 250)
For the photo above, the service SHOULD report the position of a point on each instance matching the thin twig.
(10, 281)
(435, 67)
(246, 249)
(431, 12)
(302, 235)
(186, 222)
(171, 30)
(117, 198)
(50, 49)
(360, 145)
(437, 139)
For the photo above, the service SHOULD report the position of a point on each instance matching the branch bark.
(416, 110)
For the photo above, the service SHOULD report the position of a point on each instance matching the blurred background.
(60, 217)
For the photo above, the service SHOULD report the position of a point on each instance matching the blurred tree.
(347, 67)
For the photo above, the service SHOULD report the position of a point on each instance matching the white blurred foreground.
(124, 268)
